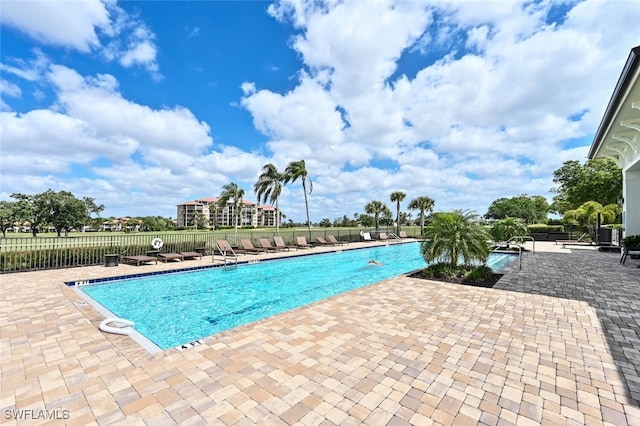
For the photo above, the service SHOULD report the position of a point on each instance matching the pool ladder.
(510, 242)
(227, 264)
(395, 237)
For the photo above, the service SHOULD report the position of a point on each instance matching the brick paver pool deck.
(557, 342)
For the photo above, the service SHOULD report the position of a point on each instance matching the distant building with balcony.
(251, 214)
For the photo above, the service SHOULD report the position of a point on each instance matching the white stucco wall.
(631, 194)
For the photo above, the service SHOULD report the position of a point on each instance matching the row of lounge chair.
(247, 246)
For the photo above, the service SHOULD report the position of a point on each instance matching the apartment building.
(251, 214)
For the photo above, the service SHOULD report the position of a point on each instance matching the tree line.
(582, 191)
(61, 210)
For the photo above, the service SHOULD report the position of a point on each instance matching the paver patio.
(554, 343)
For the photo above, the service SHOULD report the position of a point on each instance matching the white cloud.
(30, 70)
(86, 26)
(141, 50)
(306, 115)
(97, 101)
(135, 148)
(360, 53)
(9, 89)
(489, 118)
(58, 23)
(474, 126)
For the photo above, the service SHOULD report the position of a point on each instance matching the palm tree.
(376, 208)
(424, 205)
(199, 220)
(294, 171)
(455, 235)
(503, 229)
(588, 212)
(232, 192)
(398, 197)
(269, 186)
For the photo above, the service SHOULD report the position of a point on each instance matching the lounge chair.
(267, 245)
(366, 236)
(139, 259)
(579, 242)
(280, 245)
(301, 242)
(323, 242)
(191, 254)
(333, 240)
(170, 256)
(382, 236)
(403, 234)
(225, 248)
(248, 247)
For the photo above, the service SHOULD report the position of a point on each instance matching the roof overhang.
(618, 136)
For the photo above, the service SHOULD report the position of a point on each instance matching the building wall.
(631, 194)
(252, 214)
(187, 212)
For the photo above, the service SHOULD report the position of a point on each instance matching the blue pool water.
(174, 309)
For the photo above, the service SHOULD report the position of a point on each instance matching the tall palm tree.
(423, 205)
(232, 192)
(297, 170)
(455, 235)
(376, 208)
(398, 197)
(269, 186)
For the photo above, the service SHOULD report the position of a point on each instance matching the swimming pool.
(177, 308)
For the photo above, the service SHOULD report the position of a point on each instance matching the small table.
(111, 259)
(153, 253)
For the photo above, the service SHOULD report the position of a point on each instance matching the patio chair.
(581, 241)
(267, 245)
(382, 236)
(248, 247)
(323, 242)
(403, 234)
(366, 237)
(301, 242)
(626, 253)
(280, 245)
(170, 256)
(225, 248)
(139, 259)
(191, 254)
(333, 240)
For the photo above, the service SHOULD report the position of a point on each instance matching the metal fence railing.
(18, 254)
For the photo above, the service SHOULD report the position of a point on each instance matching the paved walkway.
(553, 343)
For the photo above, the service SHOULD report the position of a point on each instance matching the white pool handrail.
(120, 326)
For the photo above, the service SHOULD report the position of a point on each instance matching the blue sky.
(144, 105)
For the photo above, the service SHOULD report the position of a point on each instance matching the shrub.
(440, 270)
(479, 274)
(541, 228)
(631, 241)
